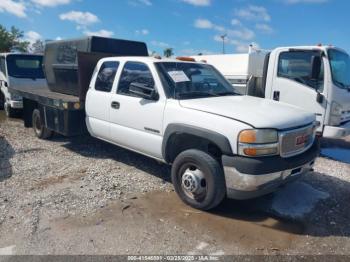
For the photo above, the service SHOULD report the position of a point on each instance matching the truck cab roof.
(147, 59)
(15, 53)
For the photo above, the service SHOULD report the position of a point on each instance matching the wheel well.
(178, 143)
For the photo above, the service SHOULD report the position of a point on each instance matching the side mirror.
(143, 91)
(316, 62)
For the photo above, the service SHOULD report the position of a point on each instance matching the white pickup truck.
(186, 114)
(17, 69)
(315, 78)
(181, 113)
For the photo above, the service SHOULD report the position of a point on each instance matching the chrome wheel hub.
(193, 182)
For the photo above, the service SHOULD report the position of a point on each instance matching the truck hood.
(257, 112)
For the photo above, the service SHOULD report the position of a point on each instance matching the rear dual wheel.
(39, 127)
(198, 179)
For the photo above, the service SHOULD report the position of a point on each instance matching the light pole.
(223, 42)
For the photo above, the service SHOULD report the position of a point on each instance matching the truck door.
(293, 82)
(98, 98)
(136, 122)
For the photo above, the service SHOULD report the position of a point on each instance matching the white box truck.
(18, 70)
(315, 78)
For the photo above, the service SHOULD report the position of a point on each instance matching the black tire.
(2, 101)
(40, 130)
(10, 112)
(210, 168)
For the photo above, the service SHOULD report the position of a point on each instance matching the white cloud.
(264, 28)
(142, 32)
(236, 22)
(81, 18)
(203, 24)
(242, 33)
(50, 3)
(305, 1)
(160, 44)
(140, 2)
(32, 36)
(15, 8)
(102, 33)
(198, 2)
(254, 12)
(58, 38)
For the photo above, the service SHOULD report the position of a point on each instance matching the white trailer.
(315, 78)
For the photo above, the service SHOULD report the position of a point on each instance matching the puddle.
(338, 154)
(296, 200)
(162, 215)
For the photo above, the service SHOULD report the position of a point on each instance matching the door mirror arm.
(143, 91)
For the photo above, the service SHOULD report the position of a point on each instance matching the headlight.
(258, 142)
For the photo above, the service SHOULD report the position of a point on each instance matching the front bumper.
(337, 131)
(252, 177)
(15, 104)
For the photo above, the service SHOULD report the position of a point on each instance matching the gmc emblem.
(301, 140)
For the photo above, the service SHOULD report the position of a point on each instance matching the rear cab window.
(297, 66)
(25, 66)
(106, 75)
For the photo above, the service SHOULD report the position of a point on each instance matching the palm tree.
(168, 52)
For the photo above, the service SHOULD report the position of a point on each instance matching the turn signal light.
(247, 136)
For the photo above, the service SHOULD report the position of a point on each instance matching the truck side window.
(106, 75)
(297, 66)
(134, 72)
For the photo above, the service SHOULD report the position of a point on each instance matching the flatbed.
(61, 113)
(59, 107)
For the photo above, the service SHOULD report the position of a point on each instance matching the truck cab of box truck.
(315, 78)
(17, 70)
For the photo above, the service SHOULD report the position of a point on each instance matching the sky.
(188, 26)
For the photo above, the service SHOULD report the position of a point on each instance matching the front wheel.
(198, 179)
(40, 130)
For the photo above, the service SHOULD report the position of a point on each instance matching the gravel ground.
(83, 196)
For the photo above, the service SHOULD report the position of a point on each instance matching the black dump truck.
(68, 67)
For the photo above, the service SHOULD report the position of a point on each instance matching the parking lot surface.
(83, 196)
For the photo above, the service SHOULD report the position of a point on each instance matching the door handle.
(276, 95)
(115, 105)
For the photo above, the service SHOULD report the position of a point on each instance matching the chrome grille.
(296, 141)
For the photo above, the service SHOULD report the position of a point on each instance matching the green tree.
(37, 47)
(12, 39)
(168, 52)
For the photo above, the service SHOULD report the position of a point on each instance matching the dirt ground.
(82, 196)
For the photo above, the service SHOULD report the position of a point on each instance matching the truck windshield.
(340, 67)
(25, 66)
(190, 80)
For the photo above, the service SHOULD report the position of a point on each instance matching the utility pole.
(223, 37)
